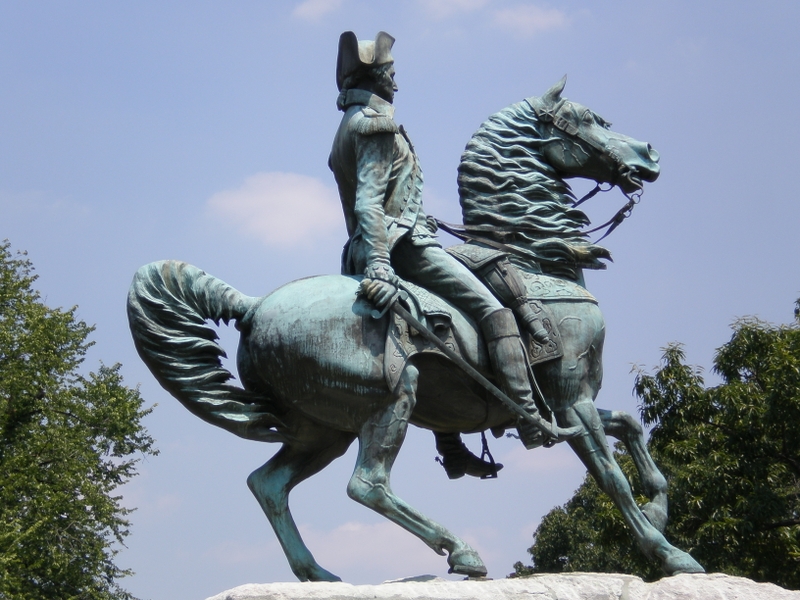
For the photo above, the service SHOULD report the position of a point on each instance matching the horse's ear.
(553, 95)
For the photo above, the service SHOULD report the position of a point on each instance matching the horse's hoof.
(656, 514)
(316, 573)
(678, 561)
(466, 562)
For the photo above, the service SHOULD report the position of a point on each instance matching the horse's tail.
(168, 305)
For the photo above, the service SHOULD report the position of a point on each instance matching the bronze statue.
(330, 359)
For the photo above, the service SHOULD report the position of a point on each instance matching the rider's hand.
(378, 292)
(379, 284)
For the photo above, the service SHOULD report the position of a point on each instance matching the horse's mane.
(504, 181)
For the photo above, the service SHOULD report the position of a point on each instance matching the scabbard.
(551, 430)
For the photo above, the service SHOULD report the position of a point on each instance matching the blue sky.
(133, 132)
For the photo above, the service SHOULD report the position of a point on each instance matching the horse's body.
(311, 355)
(326, 357)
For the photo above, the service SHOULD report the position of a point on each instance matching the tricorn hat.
(355, 55)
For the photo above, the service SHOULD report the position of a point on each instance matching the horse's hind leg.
(272, 483)
(625, 428)
(379, 442)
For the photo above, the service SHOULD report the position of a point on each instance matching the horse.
(311, 353)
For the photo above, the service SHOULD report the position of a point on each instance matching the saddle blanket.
(547, 287)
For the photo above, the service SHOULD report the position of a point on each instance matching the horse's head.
(580, 143)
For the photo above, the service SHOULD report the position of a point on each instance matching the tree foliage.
(731, 453)
(66, 442)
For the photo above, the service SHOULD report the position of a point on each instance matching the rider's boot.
(458, 461)
(508, 360)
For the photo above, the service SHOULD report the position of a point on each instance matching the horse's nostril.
(652, 153)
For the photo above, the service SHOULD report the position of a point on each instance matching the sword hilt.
(398, 295)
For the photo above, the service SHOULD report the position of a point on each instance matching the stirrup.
(458, 461)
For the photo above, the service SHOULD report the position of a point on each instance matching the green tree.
(731, 453)
(66, 442)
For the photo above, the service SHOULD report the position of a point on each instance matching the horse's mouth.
(633, 179)
(630, 182)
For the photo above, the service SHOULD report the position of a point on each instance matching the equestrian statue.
(496, 333)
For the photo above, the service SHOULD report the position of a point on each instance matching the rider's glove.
(432, 224)
(381, 272)
(379, 284)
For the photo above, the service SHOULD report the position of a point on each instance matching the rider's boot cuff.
(499, 324)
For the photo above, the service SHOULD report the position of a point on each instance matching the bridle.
(558, 114)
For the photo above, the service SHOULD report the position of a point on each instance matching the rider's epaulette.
(369, 122)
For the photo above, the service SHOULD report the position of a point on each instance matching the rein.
(467, 232)
(622, 214)
(592, 194)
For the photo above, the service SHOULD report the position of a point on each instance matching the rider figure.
(380, 186)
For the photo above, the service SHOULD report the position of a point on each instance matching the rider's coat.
(379, 180)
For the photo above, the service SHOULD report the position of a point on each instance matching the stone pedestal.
(574, 586)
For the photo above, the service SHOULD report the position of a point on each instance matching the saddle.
(403, 341)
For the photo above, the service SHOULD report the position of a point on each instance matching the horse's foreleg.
(272, 483)
(593, 450)
(379, 442)
(625, 428)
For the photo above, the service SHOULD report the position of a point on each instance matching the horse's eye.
(588, 118)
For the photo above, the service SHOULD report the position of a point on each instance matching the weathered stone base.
(574, 586)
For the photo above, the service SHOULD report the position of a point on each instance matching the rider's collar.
(365, 98)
